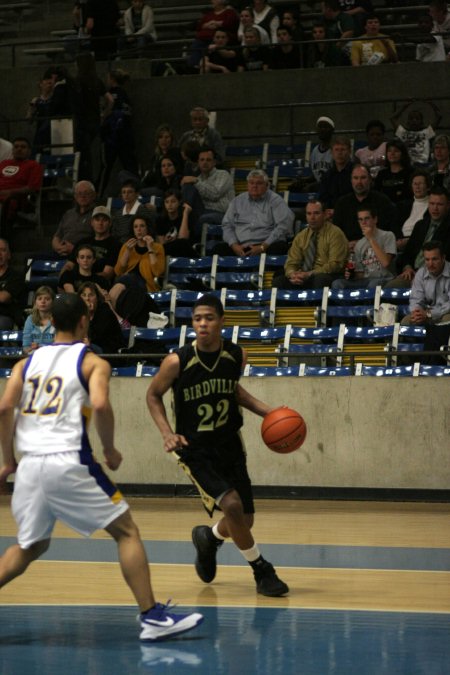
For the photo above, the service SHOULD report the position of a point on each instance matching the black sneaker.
(267, 582)
(206, 545)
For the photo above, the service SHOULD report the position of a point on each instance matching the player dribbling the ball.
(204, 377)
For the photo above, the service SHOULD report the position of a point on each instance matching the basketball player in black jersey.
(204, 377)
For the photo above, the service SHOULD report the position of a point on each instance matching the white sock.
(251, 554)
(216, 533)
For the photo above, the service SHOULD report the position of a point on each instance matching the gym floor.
(370, 593)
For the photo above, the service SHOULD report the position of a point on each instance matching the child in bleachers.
(415, 134)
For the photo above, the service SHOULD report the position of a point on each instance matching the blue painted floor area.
(285, 555)
(252, 641)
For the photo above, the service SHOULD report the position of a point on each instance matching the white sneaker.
(161, 624)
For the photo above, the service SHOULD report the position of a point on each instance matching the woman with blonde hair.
(39, 329)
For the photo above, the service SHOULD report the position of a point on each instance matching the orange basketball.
(283, 430)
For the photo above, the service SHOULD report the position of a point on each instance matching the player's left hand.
(113, 459)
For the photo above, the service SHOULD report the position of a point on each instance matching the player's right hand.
(113, 458)
(5, 471)
(174, 442)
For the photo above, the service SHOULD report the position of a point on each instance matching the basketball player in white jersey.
(44, 413)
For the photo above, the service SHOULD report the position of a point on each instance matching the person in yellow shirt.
(373, 47)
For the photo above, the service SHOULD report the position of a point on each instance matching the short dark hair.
(372, 124)
(432, 245)
(288, 29)
(82, 247)
(22, 139)
(209, 300)
(130, 182)
(439, 190)
(369, 209)
(67, 311)
(421, 172)
(207, 148)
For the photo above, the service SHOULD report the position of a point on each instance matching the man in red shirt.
(19, 177)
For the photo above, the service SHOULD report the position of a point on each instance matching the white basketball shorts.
(59, 487)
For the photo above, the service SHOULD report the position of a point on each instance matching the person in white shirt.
(420, 185)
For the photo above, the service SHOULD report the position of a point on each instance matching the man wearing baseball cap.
(106, 247)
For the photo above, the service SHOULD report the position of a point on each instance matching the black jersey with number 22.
(206, 409)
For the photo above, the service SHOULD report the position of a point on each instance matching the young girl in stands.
(172, 226)
(38, 329)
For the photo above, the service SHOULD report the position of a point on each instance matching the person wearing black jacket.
(434, 226)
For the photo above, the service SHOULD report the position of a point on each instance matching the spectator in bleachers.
(321, 159)
(165, 146)
(61, 100)
(415, 134)
(374, 255)
(89, 96)
(339, 26)
(318, 254)
(38, 114)
(434, 225)
(11, 290)
(204, 134)
(374, 47)
(411, 211)
(5, 149)
(291, 19)
(267, 18)
(257, 221)
(20, 180)
(122, 219)
(209, 194)
(440, 169)
(430, 48)
(373, 154)
(39, 329)
(441, 20)
(189, 153)
(75, 224)
(285, 54)
(336, 182)
(106, 246)
(71, 280)
(323, 54)
(141, 260)
(102, 24)
(139, 27)
(358, 10)
(429, 302)
(104, 334)
(253, 55)
(221, 15)
(247, 18)
(346, 208)
(173, 228)
(394, 180)
(171, 174)
(219, 57)
(116, 132)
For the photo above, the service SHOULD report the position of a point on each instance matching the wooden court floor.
(371, 570)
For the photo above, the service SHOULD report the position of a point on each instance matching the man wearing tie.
(317, 255)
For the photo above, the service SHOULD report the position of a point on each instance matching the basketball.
(283, 430)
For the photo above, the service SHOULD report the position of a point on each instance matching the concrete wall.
(362, 432)
(169, 99)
